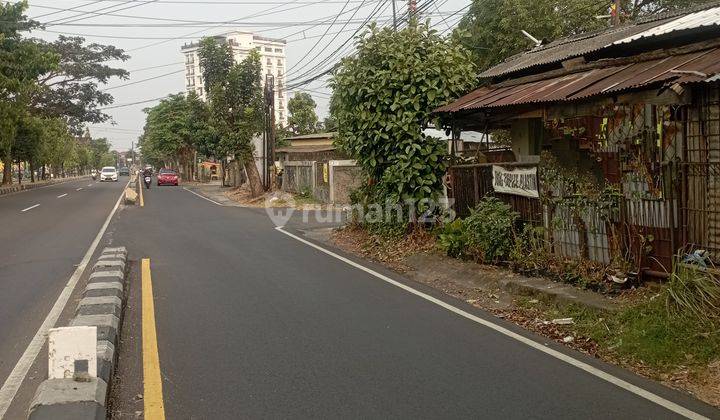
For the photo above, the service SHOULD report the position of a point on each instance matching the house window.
(190, 81)
(278, 50)
(189, 58)
(200, 91)
(190, 70)
(280, 73)
(269, 61)
(268, 49)
(279, 62)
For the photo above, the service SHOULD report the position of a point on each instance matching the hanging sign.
(519, 181)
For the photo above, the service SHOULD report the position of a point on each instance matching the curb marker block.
(59, 399)
(68, 345)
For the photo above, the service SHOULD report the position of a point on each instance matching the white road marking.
(79, 189)
(61, 195)
(19, 372)
(502, 330)
(202, 196)
(90, 185)
(29, 208)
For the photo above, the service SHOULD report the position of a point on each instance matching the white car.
(109, 173)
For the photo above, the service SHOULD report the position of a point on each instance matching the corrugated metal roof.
(327, 135)
(581, 44)
(710, 17)
(690, 67)
(305, 149)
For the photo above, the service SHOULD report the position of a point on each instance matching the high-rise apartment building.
(272, 57)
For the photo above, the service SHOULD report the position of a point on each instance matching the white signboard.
(519, 181)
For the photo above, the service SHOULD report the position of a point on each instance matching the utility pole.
(269, 143)
(394, 16)
(615, 11)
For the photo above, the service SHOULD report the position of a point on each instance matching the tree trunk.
(222, 172)
(253, 175)
(42, 173)
(20, 174)
(32, 170)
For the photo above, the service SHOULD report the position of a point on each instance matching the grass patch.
(649, 334)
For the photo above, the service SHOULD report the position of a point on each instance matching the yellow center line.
(142, 202)
(152, 381)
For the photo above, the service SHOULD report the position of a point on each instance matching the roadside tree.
(382, 99)
(236, 103)
(302, 118)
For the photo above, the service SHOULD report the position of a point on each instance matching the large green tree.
(302, 118)
(22, 61)
(383, 96)
(494, 26)
(236, 103)
(174, 130)
(72, 90)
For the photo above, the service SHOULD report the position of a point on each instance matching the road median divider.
(82, 356)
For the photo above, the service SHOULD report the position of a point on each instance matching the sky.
(153, 31)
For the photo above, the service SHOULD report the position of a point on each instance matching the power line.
(80, 17)
(329, 57)
(172, 38)
(236, 2)
(61, 10)
(321, 38)
(144, 80)
(284, 24)
(133, 103)
(156, 67)
(112, 14)
(211, 27)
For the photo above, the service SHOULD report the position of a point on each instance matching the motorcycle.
(148, 181)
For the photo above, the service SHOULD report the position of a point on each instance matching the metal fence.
(470, 183)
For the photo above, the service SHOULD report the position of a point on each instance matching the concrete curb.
(102, 306)
(29, 186)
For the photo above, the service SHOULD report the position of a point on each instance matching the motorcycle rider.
(147, 177)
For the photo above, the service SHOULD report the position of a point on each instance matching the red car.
(167, 177)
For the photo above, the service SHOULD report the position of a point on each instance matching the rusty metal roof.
(684, 68)
(581, 44)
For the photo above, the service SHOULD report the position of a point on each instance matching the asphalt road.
(39, 250)
(252, 323)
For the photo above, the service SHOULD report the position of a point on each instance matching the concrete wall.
(330, 182)
(345, 177)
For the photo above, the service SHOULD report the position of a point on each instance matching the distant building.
(272, 57)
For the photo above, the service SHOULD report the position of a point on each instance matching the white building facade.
(272, 58)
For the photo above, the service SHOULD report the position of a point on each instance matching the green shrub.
(489, 230)
(451, 239)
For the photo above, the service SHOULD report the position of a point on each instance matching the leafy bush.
(486, 235)
(451, 239)
(489, 230)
